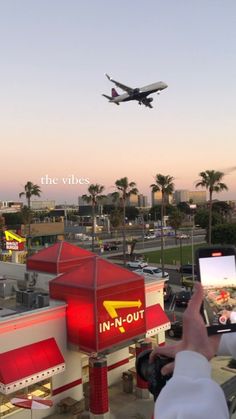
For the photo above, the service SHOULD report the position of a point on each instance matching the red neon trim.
(216, 254)
(67, 387)
(32, 319)
(118, 364)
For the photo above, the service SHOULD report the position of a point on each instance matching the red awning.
(156, 320)
(58, 258)
(29, 364)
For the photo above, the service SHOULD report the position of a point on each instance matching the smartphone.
(216, 269)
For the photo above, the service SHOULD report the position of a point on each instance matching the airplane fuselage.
(140, 93)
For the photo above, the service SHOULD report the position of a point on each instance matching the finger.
(195, 303)
(168, 351)
(168, 368)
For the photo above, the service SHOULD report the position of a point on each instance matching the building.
(44, 233)
(10, 206)
(142, 201)
(181, 195)
(198, 197)
(156, 198)
(184, 195)
(84, 322)
(43, 205)
(132, 200)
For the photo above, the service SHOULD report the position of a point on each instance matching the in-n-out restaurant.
(87, 328)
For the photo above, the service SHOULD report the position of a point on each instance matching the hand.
(195, 336)
(225, 313)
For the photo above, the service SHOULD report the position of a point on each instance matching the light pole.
(192, 241)
(181, 258)
(193, 208)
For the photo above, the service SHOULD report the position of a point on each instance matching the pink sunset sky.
(54, 120)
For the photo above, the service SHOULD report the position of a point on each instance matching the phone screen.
(218, 277)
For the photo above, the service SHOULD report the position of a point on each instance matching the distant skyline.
(54, 120)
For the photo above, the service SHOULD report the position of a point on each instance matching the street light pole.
(181, 259)
(193, 273)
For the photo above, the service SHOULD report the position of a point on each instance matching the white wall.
(32, 328)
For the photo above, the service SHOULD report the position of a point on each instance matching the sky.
(54, 121)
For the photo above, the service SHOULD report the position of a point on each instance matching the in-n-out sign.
(14, 241)
(120, 321)
(106, 304)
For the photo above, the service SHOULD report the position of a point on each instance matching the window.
(41, 389)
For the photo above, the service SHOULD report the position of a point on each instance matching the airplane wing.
(147, 102)
(120, 85)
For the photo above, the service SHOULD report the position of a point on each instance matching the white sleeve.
(191, 393)
(227, 345)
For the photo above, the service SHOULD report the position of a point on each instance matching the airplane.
(139, 94)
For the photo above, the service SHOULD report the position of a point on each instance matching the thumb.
(168, 368)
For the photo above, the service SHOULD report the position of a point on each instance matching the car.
(176, 329)
(150, 236)
(107, 247)
(182, 236)
(168, 292)
(187, 269)
(182, 298)
(136, 264)
(152, 271)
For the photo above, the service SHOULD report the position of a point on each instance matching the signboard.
(13, 245)
(105, 304)
(122, 318)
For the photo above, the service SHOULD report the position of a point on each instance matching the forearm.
(191, 392)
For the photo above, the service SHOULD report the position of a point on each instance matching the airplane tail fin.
(114, 92)
(106, 96)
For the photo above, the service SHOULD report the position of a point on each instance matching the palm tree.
(95, 196)
(165, 185)
(30, 190)
(211, 180)
(125, 189)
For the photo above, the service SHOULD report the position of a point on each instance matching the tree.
(30, 190)
(27, 216)
(175, 221)
(2, 228)
(211, 180)
(95, 196)
(224, 234)
(155, 212)
(184, 207)
(124, 190)
(166, 186)
(202, 218)
(222, 208)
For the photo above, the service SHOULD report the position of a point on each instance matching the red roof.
(21, 363)
(58, 258)
(155, 317)
(96, 273)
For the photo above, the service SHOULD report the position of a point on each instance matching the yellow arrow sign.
(10, 235)
(112, 306)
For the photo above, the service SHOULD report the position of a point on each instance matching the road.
(142, 245)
